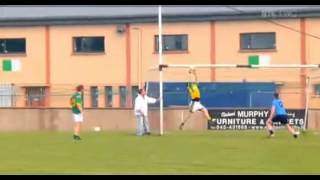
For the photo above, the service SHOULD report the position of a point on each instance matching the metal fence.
(217, 95)
(213, 95)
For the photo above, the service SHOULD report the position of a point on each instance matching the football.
(97, 129)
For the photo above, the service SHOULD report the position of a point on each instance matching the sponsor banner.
(243, 119)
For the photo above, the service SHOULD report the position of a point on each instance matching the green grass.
(186, 152)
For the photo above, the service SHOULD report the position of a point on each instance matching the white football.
(97, 129)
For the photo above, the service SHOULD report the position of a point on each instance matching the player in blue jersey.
(279, 114)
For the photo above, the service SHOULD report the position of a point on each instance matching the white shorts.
(77, 117)
(195, 106)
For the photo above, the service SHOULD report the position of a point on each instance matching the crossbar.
(161, 66)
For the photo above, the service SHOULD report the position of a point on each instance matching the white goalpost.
(307, 102)
(161, 72)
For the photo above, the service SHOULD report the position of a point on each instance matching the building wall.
(33, 62)
(101, 68)
(217, 42)
(287, 52)
(60, 95)
(198, 50)
(60, 119)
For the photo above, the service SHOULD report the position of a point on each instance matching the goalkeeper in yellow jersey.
(195, 105)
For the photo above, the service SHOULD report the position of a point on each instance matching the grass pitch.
(180, 152)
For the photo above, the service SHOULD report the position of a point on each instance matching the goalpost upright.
(161, 71)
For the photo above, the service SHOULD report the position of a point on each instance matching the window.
(135, 91)
(123, 96)
(258, 41)
(35, 96)
(88, 44)
(94, 92)
(317, 89)
(108, 96)
(7, 95)
(14, 45)
(172, 42)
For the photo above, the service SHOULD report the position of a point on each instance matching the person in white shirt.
(141, 112)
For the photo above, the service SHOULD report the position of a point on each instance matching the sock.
(76, 136)
(271, 131)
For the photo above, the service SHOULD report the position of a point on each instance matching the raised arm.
(193, 72)
(195, 76)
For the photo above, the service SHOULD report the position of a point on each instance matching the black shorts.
(283, 119)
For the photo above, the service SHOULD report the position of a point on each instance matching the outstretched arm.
(151, 100)
(195, 76)
(193, 72)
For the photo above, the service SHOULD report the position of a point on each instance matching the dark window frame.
(134, 93)
(156, 48)
(4, 46)
(108, 101)
(317, 89)
(76, 51)
(30, 97)
(257, 33)
(94, 98)
(123, 103)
